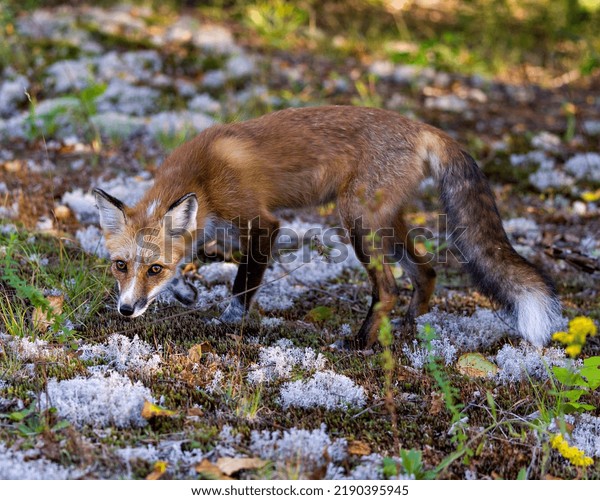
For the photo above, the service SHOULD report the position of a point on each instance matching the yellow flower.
(582, 326)
(571, 453)
(160, 466)
(591, 196)
(579, 328)
(561, 337)
(573, 350)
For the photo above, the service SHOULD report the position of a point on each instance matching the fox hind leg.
(417, 267)
(384, 290)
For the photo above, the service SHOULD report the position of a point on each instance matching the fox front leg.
(234, 313)
(183, 290)
(261, 238)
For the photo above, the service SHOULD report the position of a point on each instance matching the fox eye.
(155, 269)
(121, 265)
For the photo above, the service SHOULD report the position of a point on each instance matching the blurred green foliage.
(484, 36)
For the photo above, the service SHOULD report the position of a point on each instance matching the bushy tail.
(498, 270)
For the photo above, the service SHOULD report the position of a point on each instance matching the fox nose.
(126, 309)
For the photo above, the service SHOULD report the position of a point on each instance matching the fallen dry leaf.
(195, 412)
(43, 319)
(420, 249)
(408, 373)
(62, 212)
(160, 468)
(190, 268)
(437, 403)
(230, 466)
(151, 410)
(13, 166)
(236, 338)
(196, 351)
(358, 448)
(474, 364)
(207, 468)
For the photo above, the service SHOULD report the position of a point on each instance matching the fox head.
(145, 246)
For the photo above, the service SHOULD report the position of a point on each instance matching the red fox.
(241, 173)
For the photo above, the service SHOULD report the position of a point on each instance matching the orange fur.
(370, 161)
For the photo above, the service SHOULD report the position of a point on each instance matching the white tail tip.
(538, 316)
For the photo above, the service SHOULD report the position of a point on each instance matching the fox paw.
(183, 291)
(234, 313)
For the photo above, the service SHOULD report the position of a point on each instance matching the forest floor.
(97, 97)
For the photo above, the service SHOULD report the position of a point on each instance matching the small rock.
(477, 95)
(68, 75)
(592, 127)
(170, 122)
(546, 141)
(442, 80)
(579, 208)
(584, 166)
(240, 66)
(12, 94)
(114, 124)
(123, 97)
(451, 103)
(382, 69)
(405, 74)
(185, 88)
(214, 79)
(205, 103)
(214, 38)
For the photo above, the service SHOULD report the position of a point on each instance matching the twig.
(381, 403)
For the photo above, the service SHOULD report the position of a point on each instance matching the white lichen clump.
(271, 323)
(586, 434)
(22, 465)
(123, 354)
(12, 94)
(546, 141)
(217, 272)
(127, 189)
(546, 176)
(468, 333)
(522, 227)
(91, 240)
(305, 449)
(229, 443)
(584, 166)
(180, 462)
(325, 389)
(278, 361)
(32, 350)
(527, 362)
(418, 355)
(100, 401)
(178, 122)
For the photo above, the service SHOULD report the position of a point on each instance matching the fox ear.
(112, 212)
(181, 216)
